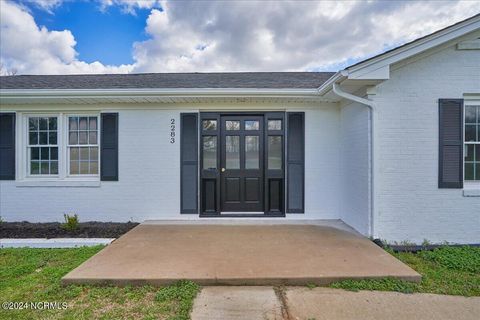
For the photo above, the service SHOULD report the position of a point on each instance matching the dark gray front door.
(241, 163)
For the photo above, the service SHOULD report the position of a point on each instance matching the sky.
(136, 36)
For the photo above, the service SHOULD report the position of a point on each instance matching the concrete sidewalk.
(238, 255)
(292, 303)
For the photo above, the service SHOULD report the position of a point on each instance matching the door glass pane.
(251, 152)
(209, 124)
(232, 152)
(209, 152)
(252, 125)
(274, 152)
(232, 125)
(274, 124)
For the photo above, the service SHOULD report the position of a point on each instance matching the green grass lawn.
(446, 270)
(34, 275)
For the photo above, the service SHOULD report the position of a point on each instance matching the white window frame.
(29, 147)
(63, 178)
(68, 145)
(469, 184)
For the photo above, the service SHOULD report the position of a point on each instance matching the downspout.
(371, 105)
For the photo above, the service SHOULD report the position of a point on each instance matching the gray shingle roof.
(274, 80)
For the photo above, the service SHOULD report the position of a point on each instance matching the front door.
(241, 163)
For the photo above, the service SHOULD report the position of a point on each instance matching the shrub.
(71, 222)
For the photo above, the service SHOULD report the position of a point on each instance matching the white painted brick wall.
(409, 204)
(148, 185)
(149, 175)
(355, 166)
(322, 164)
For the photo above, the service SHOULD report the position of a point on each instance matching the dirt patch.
(91, 229)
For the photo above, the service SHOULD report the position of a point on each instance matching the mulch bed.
(92, 229)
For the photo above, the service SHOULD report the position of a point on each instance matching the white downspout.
(370, 104)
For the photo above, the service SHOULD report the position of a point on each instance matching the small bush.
(71, 222)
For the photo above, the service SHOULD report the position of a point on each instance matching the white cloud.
(30, 49)
(47, 5)
(130, 6)
(283, 36)
(196, 36)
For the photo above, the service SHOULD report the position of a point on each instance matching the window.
(274, 152)
(209, 125)
(252, 152)
(252, 125)
(232, 125)
(472, 143)
(83, 145)
(60, 146)
(209, 152)
(274, 124)
(42, 145)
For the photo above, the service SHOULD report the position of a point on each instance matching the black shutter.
(295, 162)
(450, 164)
(7, 146)
(189, 163)
(109, 147)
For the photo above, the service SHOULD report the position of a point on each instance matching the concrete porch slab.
(160, 254)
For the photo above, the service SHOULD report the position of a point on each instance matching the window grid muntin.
(93, 164)
(475, 162)
(51, 145)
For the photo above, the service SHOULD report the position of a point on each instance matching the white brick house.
(390, 145)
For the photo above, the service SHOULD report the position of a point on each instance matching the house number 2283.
(172, 130)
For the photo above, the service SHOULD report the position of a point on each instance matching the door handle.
(223, 169)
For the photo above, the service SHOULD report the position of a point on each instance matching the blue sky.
(103, 35)
(129, 36)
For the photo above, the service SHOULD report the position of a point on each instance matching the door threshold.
(243, 213)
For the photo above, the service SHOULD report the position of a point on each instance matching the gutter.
(174, 92)
(334, 86)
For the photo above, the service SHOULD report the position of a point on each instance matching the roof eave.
(382, 62)
(195, 92)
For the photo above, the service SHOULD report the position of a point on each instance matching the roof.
(260, 80)
(377, 68)
(241, 80)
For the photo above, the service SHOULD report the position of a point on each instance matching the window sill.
(471, 191)
(59, 183)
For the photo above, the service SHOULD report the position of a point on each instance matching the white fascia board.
(381, 73)
(369, 69)
(327, 85)
(180, 92)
